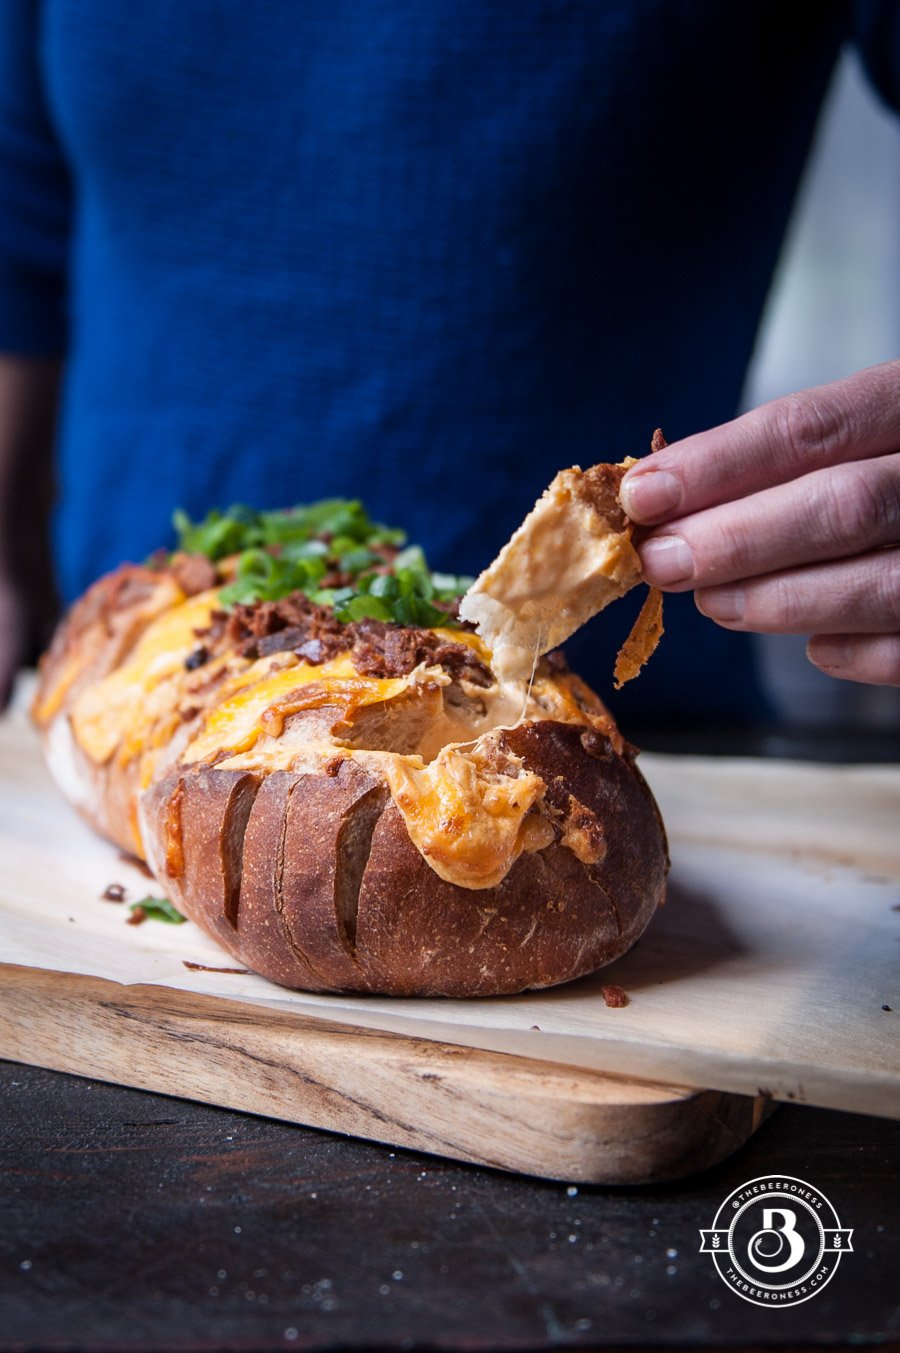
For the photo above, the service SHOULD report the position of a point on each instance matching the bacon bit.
(658, 441)
(173, 834)
(599, 488)
(614, 996)
(641, 643)
(203, 967)
(136, 863)
(158, 560)
(137, 917)
(196, 658)
(193, 573)
(286, 641)
(583, 833)
(537, 1027)
(381, 649)
(113, 892)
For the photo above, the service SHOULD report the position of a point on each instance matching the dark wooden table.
(132, 1221)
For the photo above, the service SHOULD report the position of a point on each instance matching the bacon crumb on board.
(113, 892)
(137, 917)
(614, 996)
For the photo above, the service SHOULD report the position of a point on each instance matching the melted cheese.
(466, 637)
(562, 566)
(66, 673)
(81, 653)
(122, 705)
(468, 825)
(469, 822)
(263, 700)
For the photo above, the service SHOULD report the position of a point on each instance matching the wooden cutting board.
(514, 1113)
(550, 1083)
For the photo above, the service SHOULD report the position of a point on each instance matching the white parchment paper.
(767, 969)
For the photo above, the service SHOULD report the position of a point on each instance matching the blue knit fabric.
(424, 252)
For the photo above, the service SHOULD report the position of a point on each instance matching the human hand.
(787, 521)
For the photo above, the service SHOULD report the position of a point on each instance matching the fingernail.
(667, 560)
(829, 652)
(650, 495)
(722, 603)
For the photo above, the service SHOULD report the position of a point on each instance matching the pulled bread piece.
(573, 554)
(346, 801)
(569, 559)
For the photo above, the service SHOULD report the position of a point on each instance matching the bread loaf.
(345, 801)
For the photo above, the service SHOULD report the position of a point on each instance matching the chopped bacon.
(377, 648)
(193, 573)
(384, 650)
(599, 485)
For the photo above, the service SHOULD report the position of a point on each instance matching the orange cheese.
(120, 706)
(468, 825)
(466, 637)
(469, 822)
(81, 653)
(65, 676)
(260, 700)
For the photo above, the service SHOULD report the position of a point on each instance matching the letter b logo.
(779, 1240)
(775, 1248)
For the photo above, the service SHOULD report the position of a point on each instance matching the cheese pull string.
(526, 695)
(538, 644)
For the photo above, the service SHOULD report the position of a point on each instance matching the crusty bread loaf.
(357, 808)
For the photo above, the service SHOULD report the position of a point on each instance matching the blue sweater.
(423, 252)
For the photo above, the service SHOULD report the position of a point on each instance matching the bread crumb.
(204, 967)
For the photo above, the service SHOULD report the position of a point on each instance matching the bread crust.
(308, 873)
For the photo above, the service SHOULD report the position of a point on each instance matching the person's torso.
(423, 253)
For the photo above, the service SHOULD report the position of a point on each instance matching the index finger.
(850, 419)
